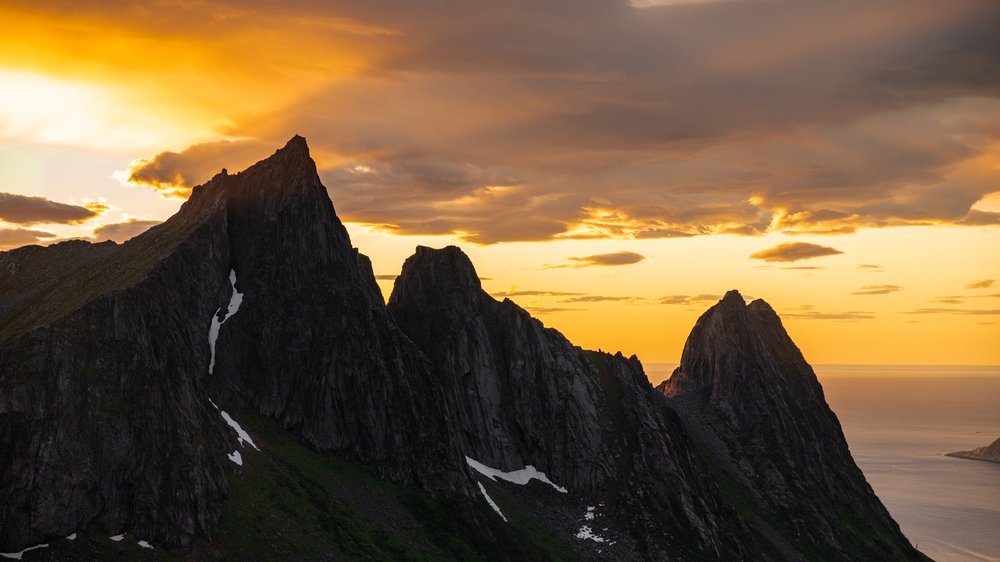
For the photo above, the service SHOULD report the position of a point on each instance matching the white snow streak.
(117, 538)
(495, 507)
(213, 335)
(71, 537)
(145, 544)
(213, 331)
(586, 533)
(18, 555)
(522, 477)
(242, 435)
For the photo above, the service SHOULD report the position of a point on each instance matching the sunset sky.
(613, 167)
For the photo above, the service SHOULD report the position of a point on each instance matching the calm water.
(899, 422)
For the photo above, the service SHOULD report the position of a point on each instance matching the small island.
(989, 453)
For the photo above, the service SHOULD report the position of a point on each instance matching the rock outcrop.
(755, 404)
(990, 453)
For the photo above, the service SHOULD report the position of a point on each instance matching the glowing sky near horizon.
(840, 160)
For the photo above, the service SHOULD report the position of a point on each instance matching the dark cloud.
(612, 259)
(804, 267)
(16, 237)
(386, 276)
(871, 267)
(794, 251)
(877, 290)
(984, 284)
(23, 209)
(122, 231)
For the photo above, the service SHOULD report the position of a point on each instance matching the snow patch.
(522, 477)
(589, 516)
(145, 544)
(236, 457)
(586, 533)
(213, 331)
(117, 538)
(71, 537)
(242, 435)
(18, 555)
(495, 507)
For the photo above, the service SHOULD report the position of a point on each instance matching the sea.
(899, 422)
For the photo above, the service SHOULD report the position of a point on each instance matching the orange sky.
(840, 160)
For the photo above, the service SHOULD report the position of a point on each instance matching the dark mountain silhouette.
(230, 384)
(755, 405)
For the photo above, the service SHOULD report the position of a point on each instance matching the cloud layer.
(526, 121)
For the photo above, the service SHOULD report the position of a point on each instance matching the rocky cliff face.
(990, 453)
(753, 401)
(108, 370)
(122, 368)
(520, 394)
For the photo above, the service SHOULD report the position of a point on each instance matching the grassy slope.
(292, 503)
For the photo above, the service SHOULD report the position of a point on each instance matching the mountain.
(990, 453)
(754, 404)
(523, 395)
(231, 385)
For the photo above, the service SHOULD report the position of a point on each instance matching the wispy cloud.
(794, 251)
(533, 293)
(984, 284)
(604, 260)
(813, 315)
(877, 290)
(871, 267)
(600, 298)
(549, 310)
(690, 299)
(962, 311)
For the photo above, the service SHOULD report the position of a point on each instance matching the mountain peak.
(447, 268)
(743, 379)
(734, 296)
(296, 144)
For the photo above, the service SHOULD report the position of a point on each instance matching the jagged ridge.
(109, 411)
